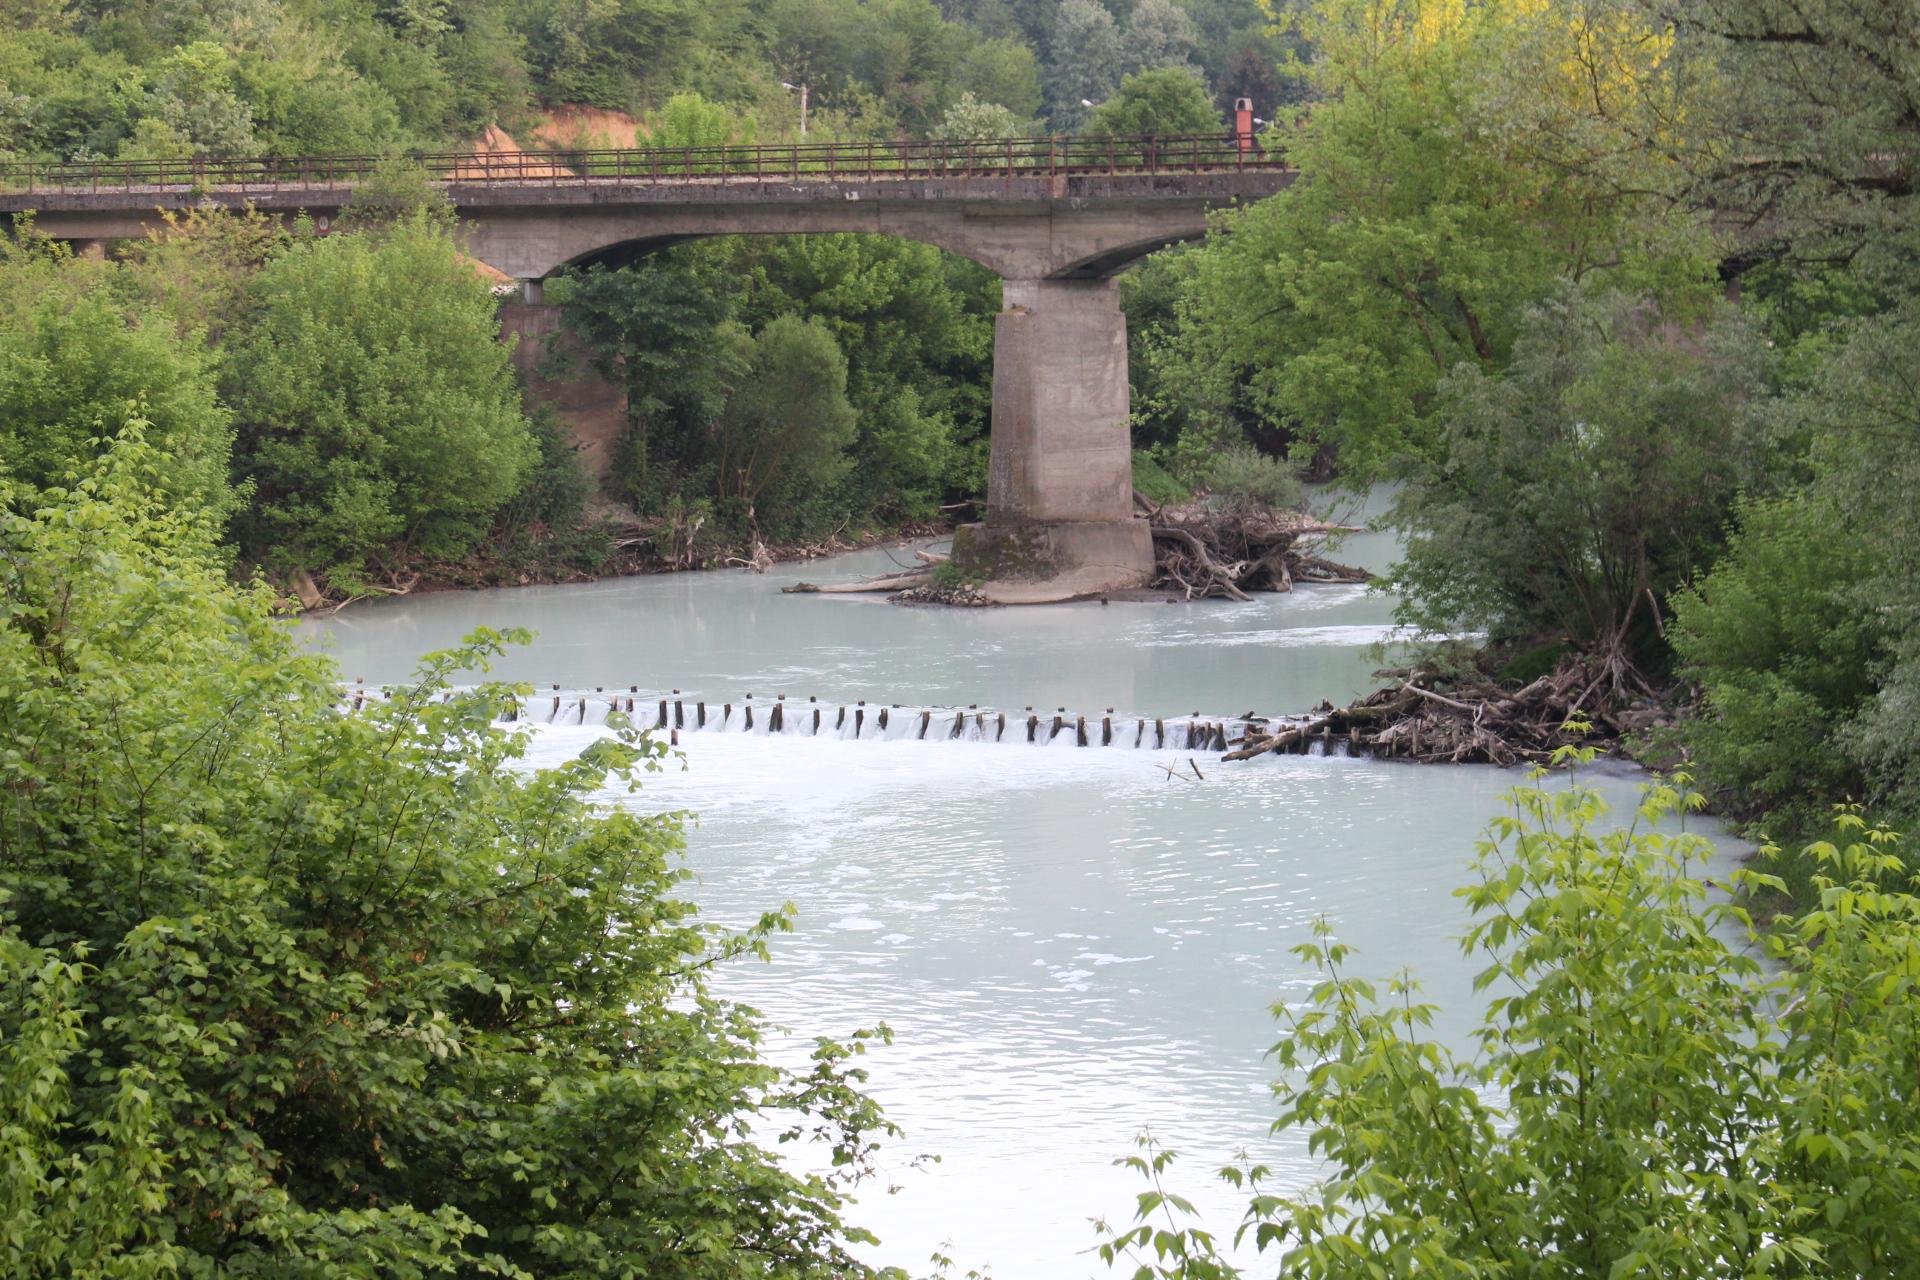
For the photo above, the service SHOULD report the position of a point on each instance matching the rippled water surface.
(1070, 945)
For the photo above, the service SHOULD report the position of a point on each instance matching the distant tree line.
(81, 80)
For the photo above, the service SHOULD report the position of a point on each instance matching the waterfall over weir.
(676, 714)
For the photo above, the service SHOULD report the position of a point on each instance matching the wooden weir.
(670, 714)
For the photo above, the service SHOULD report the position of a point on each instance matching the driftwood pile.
(1209, 552)
(1474, 722)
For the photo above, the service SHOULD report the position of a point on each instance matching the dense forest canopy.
(85, 81)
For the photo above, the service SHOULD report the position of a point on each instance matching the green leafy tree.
(1801, 637)
(199, 264)
(1784, 659)
(291, 992)
(1453, 171)
(1806, 129)
(1004, 73)
(916, 325)
(1579, 488)
(1646, 1097)
(971, 119)
(656, 328)
(1087, 58)
(1159, 34)
(1864, 411)
(607, 53)
(811, 43)
(690, 122)
(194, 109)
(1169, 102)
(787, 424)
(378, 413)
(77, 359)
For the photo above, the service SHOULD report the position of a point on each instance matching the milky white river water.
(1070, 945)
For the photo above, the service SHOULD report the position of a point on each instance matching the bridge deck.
(1008, 159)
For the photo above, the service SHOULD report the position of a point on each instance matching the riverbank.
(614, 549)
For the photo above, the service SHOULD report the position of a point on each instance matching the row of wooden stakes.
(676, 714)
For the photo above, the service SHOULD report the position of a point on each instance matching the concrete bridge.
(1054, 218)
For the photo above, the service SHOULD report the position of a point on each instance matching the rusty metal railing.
(749, 162)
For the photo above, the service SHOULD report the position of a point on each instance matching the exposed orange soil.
(559, 127)
(566, 125)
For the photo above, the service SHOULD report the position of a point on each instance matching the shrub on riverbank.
(1648, 1098)
(295, 993)
(377, 412)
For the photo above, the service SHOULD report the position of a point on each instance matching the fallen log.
(896, 583)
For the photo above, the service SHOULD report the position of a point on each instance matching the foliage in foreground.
(291, 993)
(1658, 1088)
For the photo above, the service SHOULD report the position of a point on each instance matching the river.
(1072, 946)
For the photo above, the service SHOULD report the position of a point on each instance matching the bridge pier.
(1059, 519)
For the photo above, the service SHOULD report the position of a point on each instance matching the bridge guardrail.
(751, 162)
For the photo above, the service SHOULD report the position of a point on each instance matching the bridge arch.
(1017, 240)
(1099, 265)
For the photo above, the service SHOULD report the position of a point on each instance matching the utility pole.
(800, 88)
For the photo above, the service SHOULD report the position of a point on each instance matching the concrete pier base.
(1044, 561)
(1060, 478)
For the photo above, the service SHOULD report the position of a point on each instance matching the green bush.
(377, 411)
(1155, 483)
(77, 359)
(1654, 1089)
(1243, 478)
(1584, 483)
(1783, 658)
(296, 993)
